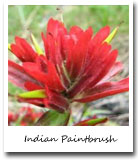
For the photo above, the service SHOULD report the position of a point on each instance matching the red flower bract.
(76, 66)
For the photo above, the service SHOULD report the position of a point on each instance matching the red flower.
(26, 116)
(77, 66)
(11, 118)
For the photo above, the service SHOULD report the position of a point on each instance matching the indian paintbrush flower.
(75, 66)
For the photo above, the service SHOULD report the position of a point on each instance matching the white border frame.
(14, 136)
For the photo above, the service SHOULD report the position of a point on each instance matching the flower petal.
(76, 32)
(33, 70)
(52, 41)
(104, 68)
(49, 104)
(18, 76)
(80, 52)
(56, 99)
(54, 27)
(101, 35)
(117, 67)
(30, 86)
(23, 50)
(105, 89)
(51, 78)
(35, 101)
(101, 63)
(42, 63)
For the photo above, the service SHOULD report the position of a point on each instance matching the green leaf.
(54, 118)
(91, 122)
(36, 45)
(33, 94)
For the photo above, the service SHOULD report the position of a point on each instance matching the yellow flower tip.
(36, 45)
(113, 33)
(33, 94)
(9, 46)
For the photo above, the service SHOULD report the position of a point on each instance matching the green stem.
(85, 107)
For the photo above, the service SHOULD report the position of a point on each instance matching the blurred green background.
(23, 19)
(35, 18)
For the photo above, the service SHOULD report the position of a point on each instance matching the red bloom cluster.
(77, 66)
(26, 116)
(12, 117)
